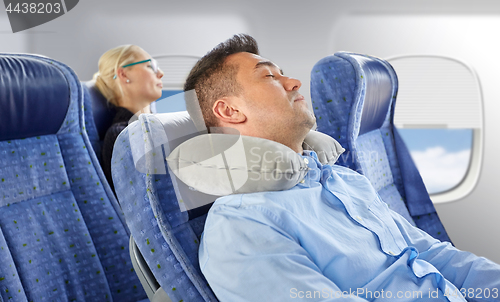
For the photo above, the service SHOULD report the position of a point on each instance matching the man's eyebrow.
(268, 63)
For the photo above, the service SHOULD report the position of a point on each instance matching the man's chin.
(310, 120)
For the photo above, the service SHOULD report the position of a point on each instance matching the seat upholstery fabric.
(90, 124)
(166, 237)
(62, 233)
(353, 98)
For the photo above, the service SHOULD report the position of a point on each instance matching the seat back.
(167, 237)
(99, 115)
(62, 233)
(353, 98)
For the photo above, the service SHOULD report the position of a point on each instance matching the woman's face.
(144, 83)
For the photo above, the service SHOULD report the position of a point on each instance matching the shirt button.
(302, 181)
(306, 161)
(358, 218)
(392, 253)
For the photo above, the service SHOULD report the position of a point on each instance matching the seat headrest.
(220, 164)
(367, 84)
(34, 96)
(103, 111)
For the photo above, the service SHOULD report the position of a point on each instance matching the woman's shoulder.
(120, 122)
(115, 130)
(122, 115)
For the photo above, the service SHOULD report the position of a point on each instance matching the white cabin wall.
(10, 42)
(84, 34)
(296, 34)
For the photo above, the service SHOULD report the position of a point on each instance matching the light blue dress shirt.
(332, 237)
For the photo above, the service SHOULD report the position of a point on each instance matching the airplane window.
(442, 155)
(171, 101)
(439, 115)
(176, 68)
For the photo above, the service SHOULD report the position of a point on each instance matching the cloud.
(441, 170)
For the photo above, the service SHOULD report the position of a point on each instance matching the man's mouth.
(299, 98)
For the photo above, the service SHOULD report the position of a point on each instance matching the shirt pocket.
(391, 240)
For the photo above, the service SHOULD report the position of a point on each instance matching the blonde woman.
(130, 80)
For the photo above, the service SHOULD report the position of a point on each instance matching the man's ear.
(226, 111)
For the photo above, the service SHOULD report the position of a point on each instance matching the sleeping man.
(330, 236)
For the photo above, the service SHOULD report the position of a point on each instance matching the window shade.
(436, 92)
(176, 68)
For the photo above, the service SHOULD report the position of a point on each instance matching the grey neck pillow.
(224, 164)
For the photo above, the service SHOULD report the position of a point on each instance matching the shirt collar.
(315, 167)
(310, 153)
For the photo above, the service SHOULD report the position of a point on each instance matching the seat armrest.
(151, 287)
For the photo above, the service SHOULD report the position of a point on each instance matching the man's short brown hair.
(212, 79)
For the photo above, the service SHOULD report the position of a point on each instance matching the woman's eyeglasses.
(154, 65)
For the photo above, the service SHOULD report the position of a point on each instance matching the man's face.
(271, 102)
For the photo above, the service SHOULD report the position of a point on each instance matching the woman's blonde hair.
(108, 64)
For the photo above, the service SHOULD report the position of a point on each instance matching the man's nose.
(292, 84)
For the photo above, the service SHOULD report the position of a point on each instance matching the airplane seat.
(353, 97)
(62, 234)
(167, 173)
(167, 238)
(99, 115)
